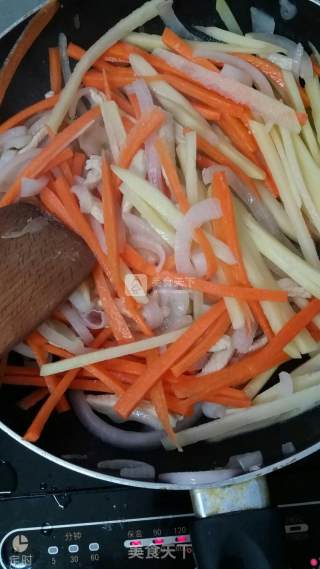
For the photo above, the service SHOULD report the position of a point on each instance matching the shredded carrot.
(158, 399)
(220, 290)
(239, 135)
(261, 319)
(66, 172)
(78, 162)
(314, 331)
(24, 43)
(165, 361)
(135, 104)
(117, 322)
(122, 102)
(175, 43)
(253, 364)
(110, 213)
(51, 381)
(209, 339)
(207, 113)
(55, 70)
(34, 431)
(52, 204)
(62, 157)
(57, 144)
(33, 398)
(269, 69)
(144, 127)
(181, 198)
(316, 68)
(106, 86)
(80, 222)
(25, 114)
(135, 261)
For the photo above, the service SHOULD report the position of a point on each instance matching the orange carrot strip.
(110, 221)
(220, 290)
(240, 372)
(269, 69)
(80, 222)
(54, 206)
(55, 70)
(261, 319)
(118, 324)
(314, 331)
(37, 339)
(83, 228)
(67, 172)
(135, 261)
(115, 80)
(158, 399)
(211, 337)
(122, 102)
(51, 381)
(181, 198)
(206, 112)
(78, 162)
(106, 85)
(239, 135)
(316, 68)
(34, 431)
(28, 112)
(175, 43)
(120, 51)
(30, 33)
(144, 127)
(33, 398)
(57, 144)
(156, 369)
(63, 156)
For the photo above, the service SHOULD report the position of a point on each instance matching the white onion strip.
(200, 477)
(271, 109)
(75, 320)
(135, 469)
(198, 214)
(259, 80)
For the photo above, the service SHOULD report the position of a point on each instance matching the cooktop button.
(73, 548)
(94, 546)
(53, 550)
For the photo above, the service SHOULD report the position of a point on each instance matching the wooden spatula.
(41, 263)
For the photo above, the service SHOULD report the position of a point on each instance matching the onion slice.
(109, 434)
(271, 110)
(170, 20)
(199, 477)
(198, 214)
(288, 10)
(258, 79)
(135, 469)
(262, 22)
(248, 462)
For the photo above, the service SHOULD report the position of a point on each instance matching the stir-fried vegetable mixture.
(191, 170)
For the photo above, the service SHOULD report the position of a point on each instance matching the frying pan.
(64, 435)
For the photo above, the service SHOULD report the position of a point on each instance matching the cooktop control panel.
(159, 542)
